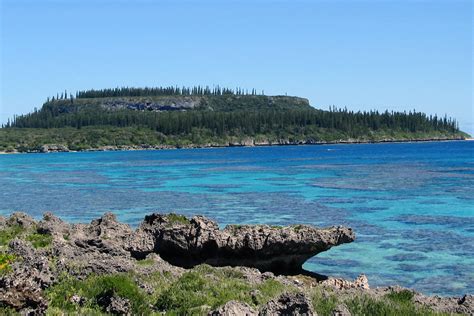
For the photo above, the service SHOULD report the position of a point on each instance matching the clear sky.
(383, 54)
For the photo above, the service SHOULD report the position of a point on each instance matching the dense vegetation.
(160, 91)
(237, 122)
(204, 288)
(218, 116)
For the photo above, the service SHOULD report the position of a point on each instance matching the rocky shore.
(174, 265)
(51, 148)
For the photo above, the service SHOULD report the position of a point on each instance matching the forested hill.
(200, 116)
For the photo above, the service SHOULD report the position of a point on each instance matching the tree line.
(247, 122)
(164, 91)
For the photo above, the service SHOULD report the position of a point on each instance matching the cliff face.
(224, 103)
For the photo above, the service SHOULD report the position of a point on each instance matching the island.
(197, 117)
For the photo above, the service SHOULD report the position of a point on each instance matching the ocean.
(410, 204)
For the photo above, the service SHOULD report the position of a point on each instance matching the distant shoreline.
(55, 148)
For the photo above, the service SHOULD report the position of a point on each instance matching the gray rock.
(115, 305)
(22, 287)
(21, 219)
(3, 222)
(341, 310)
(105, 235)
(288, 304)
(52, 225)
(361, 282)
(234, 308)
(48, 148)
(463, 305)
(78, 300)
(187, 243)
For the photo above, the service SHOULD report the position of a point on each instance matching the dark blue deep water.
(411, 204)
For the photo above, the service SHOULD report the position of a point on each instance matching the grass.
(9, 233)
(322, 301)
(93, 289)
(5, 261)
(297, 228)
(206, 288)
(7, 311)
(146, 262)
(365, 305)
(403, 296)
(38, 240)
(177, 219)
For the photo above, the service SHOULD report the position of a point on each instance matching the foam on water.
(411, 205)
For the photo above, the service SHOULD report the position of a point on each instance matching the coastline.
(56, 148)
(49, 265)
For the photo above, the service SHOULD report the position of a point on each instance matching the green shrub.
(145, 262)
(7, 311)
(186, 293)
(267, 290)
(177, 218)
(207, 287)
(365, 305)
(5, 261)
(93, 289)
(323, 302)
(9, 233)
(40, 240)
(402, 296)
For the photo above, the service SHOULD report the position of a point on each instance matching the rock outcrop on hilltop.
(37, 256)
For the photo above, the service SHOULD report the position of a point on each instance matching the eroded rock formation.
(170, 244)
(187, 243)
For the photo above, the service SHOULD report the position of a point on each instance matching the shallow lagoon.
(411, 204)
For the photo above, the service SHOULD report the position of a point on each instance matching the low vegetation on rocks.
(54, 268)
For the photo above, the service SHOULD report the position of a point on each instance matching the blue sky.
(384, 54)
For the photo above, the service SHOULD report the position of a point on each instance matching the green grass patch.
(402, 296)
(297, 228)
(206, 287)
(177, 219)
(145, 262)
(40, 240)
(9, 233)
(364, 305)
(93, 289)
(8, 311)
(5, 261)
(323, 302)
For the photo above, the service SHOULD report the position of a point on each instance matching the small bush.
(297, 228)
(145, 262)
(267, 290)
(184, 294)
(323, 302)
(213, 287)
(9, 233)
(7, 311)
(176, 218)
(93, 289)
(365, 305)
(403, 296)
(5, 261)
(40, 240)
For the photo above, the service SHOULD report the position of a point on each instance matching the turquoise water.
(411, 205)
